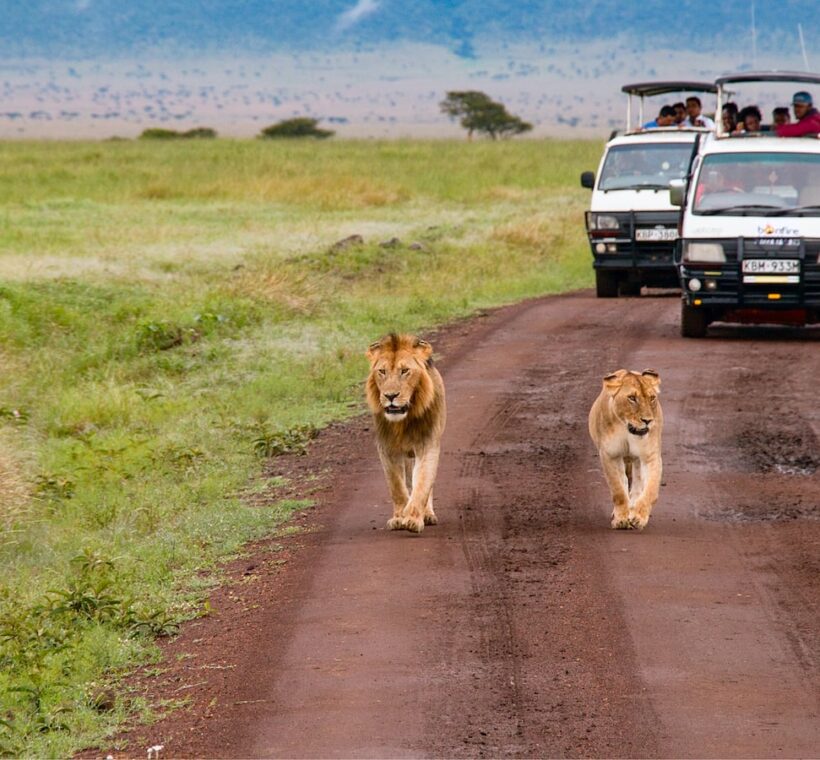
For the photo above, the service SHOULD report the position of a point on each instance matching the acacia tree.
(302, 126)
(477, 112)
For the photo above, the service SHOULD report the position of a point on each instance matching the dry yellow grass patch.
(506, 193)
(297, 294)
(326, 193)
(532, 232)
(15, 490)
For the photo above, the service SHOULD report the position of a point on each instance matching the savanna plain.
(171, 315)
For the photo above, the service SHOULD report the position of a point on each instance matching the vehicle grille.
(804, 293)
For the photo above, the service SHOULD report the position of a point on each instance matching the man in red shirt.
(808, 118)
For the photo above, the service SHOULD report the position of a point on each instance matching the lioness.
(625, 423)
(405, 393)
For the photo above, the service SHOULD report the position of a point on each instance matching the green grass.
(170, 314)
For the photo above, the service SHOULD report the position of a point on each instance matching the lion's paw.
(638, 522)
(430, 519)
(395, 523)
(620, 523)
(414, 524)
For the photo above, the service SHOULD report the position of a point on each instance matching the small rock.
(416, 246)
(394, 242)
(345, 243)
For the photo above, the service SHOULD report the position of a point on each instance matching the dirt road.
(522, 625)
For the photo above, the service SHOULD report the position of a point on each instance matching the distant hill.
(85, 29)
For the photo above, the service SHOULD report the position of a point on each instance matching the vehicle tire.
(606, 284)
(630, 288)
(693, 322)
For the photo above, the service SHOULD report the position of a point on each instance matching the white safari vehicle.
(631, 225)
(749, 249)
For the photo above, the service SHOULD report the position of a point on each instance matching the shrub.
(200, 133)
(162, 335)
(160, 133)
(301, 127)
(274, 443)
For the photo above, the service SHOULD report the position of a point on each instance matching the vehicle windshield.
(759, 184)
(645, 166)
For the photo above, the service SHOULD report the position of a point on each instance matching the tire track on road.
(511, 540)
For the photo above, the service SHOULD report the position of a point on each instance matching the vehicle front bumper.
(722, 287)
(650, 261)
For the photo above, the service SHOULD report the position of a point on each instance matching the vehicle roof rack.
(741, 77)
(649, 89)
(768, 76)
(673, 130)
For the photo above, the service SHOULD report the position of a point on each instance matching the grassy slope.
(167, 313)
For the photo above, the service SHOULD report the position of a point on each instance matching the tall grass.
(170, 313)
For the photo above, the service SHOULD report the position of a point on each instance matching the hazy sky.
(99, 68)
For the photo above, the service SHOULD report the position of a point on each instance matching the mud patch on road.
(765, 513)
(767, 498)
(779, 451)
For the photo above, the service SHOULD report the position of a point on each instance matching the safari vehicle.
(631, 225)
(749, 249)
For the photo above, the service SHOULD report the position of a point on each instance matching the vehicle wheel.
(606, 284)
(693, 322)
(630, 288)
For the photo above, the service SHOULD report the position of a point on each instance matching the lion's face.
(399, 383)
(634, 398)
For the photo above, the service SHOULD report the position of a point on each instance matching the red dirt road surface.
(521, 625)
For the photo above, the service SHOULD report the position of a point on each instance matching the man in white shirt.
(695, 117)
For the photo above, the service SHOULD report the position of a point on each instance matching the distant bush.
(301, 127)
(200, 133)
(160, 133)
(157, 133)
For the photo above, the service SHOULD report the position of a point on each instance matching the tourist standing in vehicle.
(666, 118)
(696, 118)
(680, 113)
(729, 116)
(808, 118)
(749, 120)
(780, 116)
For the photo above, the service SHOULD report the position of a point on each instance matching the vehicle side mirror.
(677, 191)
(588, 179)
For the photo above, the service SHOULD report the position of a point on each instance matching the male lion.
(405, 393)
(625, 423)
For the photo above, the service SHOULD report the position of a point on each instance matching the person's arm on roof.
(808, 125)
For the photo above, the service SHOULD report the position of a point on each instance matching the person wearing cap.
(807, 116)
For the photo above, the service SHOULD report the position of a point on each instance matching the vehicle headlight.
(706, 253)
(603, 222)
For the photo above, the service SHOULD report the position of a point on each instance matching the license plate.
(656, 235)
(771, 266)
(771, 279)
